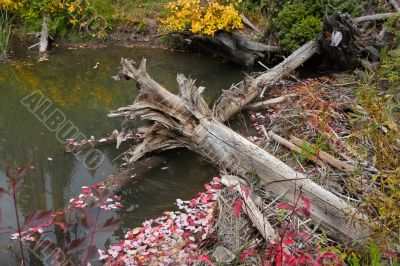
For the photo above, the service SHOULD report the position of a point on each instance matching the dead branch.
(250, 208)
(341, 165)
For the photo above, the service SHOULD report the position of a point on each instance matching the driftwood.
(250, 208)
(233, 47)
(186, 121)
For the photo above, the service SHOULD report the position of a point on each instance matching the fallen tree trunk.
(233, 47)
(186, 121)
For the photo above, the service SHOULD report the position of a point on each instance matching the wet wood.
(186, 121)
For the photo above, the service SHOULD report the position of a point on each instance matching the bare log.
(341, 165)
(250, 208)
(248, 24)
(232, 101)
(266, 103)
(375, 17)
(186, 121)
(293, 147)
(395, 5)
(44, 39)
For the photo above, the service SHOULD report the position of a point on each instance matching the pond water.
(85, 94)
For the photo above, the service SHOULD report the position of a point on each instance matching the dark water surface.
(85, 95)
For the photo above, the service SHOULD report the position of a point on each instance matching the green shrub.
(298, 21)
(5, 33)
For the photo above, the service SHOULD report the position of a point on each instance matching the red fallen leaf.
(304, 211)
(329, 255)
(204, 258)
(247, 253)
(36, 218)
(284, 206)
(110, 224)
(206, 198)
(217, 180)
(245, 189)
(237, 207)
(288, 241)
(306, 202)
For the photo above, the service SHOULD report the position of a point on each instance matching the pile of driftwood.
(185, 120)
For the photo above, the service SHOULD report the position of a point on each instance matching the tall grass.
(5, 33)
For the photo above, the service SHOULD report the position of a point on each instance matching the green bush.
(298, 21)
(5, 33)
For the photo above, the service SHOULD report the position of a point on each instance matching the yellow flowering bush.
(202, 17)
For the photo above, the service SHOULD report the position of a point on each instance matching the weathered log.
(233, 47)
(375, 17)
(326, 157)
(248, 24)
(232, 101)
(266, 103)
(250, 208)
(44, 39)
(293, 147)
(186, 121)
(395, 5)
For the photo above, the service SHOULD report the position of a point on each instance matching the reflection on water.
(85, 94)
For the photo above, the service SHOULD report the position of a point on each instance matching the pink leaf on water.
(237, 207)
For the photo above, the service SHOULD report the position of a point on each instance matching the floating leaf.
(237, 207)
